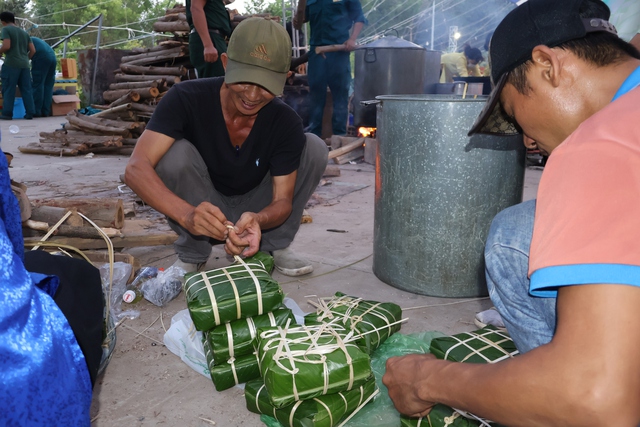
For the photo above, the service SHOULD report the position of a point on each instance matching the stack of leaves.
(230, 351)
(304, 362)
(487, 345)
(371, 322)
(322, 411)
(230, 304)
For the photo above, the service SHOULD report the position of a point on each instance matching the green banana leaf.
(234, 371)
(487, 345)
(264, 258)
(441, 416)
(230, 293)
(322, 411)
(238, 338)
(373, 321)
(308, 361)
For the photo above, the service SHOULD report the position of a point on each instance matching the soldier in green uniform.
(210, 24)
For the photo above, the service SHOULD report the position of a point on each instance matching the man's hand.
(403, 380)
(210, 54)
(207, 220)
(244, 238)
(350, 45)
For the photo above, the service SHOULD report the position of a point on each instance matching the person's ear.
(224, 58)
(547, 64)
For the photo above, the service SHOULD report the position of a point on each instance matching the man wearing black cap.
(567, 282)
(228, 163)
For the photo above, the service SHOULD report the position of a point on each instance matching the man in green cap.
(228, 163)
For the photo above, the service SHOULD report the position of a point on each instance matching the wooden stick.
(170, 17)
(346, 148)
(35, 148)
(142, 108)
(169, 27)
(112, 95)
(124, 99)
(330, 48)
(113, 110)
(36, 225)
(171, 80)
(130, 58)
(160, 47)
(105, 212)
(105, 130)
(145, 93)
(52, 214)
(134, 85)
(139, 69)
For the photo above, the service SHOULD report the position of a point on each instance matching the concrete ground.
(147, 385)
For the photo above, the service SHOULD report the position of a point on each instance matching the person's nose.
(253, 93)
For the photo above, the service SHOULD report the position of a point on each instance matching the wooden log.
(346, 148)
(87, 140)
(139, 69)
(129, 58)
(105, 130)
(35, 148)
(112, 95)
(124, 99)
(105, 212)
(129, 142)
(331, 170)
(351, 155)
(52, 214)
(142, 108)
(158, 59)
(119, 108)
(170, 17)
(170, 27)
(145, 93)
(86, 232)
(136, 233)
(167, 44)
(121, 124)
(135, 85)
(35, 225)
(171, 80)
(176, 9)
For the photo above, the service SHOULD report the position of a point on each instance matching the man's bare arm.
(636, 41)
(250, 225)
(140, 175)
(200, 23)
(351, 41)
(32, 50)
(589, 375)
(5, 46)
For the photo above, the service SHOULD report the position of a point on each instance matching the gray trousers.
(184, 172)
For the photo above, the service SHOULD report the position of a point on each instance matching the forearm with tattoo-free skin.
(200, 23)
(140, 175)
(355, 32)
(588, 375)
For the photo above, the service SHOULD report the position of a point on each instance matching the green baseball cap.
(260, 53)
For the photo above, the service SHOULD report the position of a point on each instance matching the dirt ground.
(147, 385)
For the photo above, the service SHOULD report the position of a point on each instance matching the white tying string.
(258, 395)
(255, 281)
(293, 412)
(362, 405)
(470, 336)
(230, 339)
(324, 405)
(235, 294)
(233, 369)
(212, 297)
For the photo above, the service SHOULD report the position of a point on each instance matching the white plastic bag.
(184, 341)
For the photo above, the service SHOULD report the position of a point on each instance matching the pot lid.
(390, 42)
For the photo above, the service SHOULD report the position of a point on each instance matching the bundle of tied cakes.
(371, 322)
(487, 345)
(312, 376)
(230, 304)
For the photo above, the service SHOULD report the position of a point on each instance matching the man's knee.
(514, 222)
(181, 156)
(315, 153)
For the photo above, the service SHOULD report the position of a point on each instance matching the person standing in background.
(18, 49)
(43, 75)
(461, 64)
(330, 22)
(210, 24)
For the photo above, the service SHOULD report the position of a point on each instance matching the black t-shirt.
(192, 110)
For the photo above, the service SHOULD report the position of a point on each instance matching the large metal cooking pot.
(387, 66)
(437, 191)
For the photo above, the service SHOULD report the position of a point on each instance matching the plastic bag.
(121, 273)
(184, 341)
(164, 287)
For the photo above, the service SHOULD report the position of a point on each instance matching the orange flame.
(363, 131)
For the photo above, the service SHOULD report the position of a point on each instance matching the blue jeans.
(12, 77)
(333, 71)
(531, 321)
